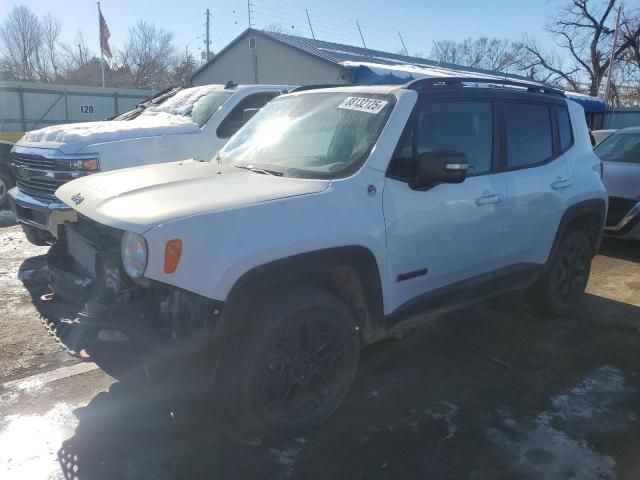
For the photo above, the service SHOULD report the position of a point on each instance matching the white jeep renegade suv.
(319, 228)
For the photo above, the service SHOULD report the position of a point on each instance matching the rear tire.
(559, 290)
(293, 364)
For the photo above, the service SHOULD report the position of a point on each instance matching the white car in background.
(193, 123)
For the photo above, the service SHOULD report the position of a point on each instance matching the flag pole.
(100, 39)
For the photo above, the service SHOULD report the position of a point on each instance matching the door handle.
(489, 199)
(561, 183)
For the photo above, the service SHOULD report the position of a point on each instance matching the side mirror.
(248, 113)
(441, 166)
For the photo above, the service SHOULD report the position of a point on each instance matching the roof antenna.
(230, 84)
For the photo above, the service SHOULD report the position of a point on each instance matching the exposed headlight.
(133, 251)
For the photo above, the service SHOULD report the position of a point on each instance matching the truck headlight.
(133, 251)
(87, 164)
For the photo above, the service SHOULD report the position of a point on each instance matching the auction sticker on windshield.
(361, 104)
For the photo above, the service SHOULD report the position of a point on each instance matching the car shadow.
(485, 392)
(425, 406)
(621, 249)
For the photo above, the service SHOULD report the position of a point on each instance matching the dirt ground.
(496, 391)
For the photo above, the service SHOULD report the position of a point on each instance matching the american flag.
(104, 38)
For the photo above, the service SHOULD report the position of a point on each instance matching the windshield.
(198, 103)
(314, 135)
(623, 147)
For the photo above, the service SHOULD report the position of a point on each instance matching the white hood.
(138, 199)
(74, 137)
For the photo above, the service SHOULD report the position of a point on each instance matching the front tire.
(5, 185)
(293, 364)
(559, 290)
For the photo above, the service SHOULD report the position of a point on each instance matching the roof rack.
(426, 83)
(314, 87)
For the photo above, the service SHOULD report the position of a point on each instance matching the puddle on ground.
(553, 444)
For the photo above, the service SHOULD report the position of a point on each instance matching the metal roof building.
(259, 56)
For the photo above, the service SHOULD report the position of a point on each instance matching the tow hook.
(47, 297)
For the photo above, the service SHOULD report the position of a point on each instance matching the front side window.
(621, 147)
(463, 126)
(528, 130)
(311, 135)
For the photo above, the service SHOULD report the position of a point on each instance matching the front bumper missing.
(126, 330)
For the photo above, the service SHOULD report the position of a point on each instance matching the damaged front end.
(120, 323)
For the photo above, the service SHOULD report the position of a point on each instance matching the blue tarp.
(590, 104)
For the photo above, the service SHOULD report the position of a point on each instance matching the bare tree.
(584, 30)
(275, 28)
(149, 53)
(483, 53)
(76, 54)
(21, 40)
(48, 57)
(184, 69)
(29, 45)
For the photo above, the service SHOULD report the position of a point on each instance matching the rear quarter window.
(528, 134)
(565, 132)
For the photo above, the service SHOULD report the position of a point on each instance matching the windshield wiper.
(262, 171)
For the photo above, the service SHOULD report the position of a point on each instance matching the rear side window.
(564, 127)
(528, 131)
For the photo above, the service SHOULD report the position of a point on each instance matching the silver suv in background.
(620, 154)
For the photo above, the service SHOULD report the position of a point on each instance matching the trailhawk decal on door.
(361, 104)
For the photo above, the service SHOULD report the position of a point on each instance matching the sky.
(420, 22)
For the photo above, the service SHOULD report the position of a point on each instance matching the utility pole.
(249, 13)
(611, 60)
(80, 53)
(406, 52)
(361, 37)
(310, 27)
(207, 42)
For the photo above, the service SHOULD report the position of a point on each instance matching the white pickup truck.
(192, 123)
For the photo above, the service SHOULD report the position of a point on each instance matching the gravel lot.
(494, 391)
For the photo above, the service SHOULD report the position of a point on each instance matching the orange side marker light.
(172, 254)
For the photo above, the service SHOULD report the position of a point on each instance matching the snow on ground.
(89, 133)
(554, 443)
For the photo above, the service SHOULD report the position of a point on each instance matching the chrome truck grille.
(33, 161)
(34, 175)
(38, 187)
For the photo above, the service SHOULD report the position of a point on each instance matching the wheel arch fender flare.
(311, 267)
(587, 208)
